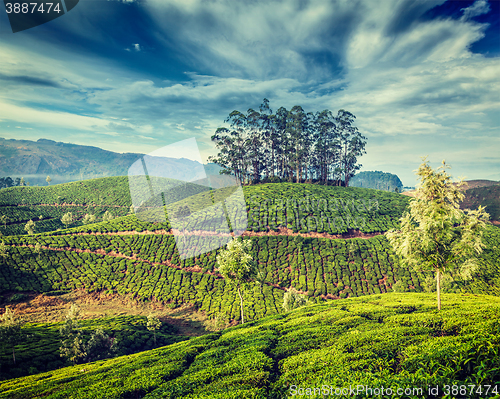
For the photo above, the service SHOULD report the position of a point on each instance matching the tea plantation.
(148, 266)
(299, 207)
(301, 236)
(392, 341)
(40, 350)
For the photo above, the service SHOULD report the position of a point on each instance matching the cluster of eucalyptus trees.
(289, 145)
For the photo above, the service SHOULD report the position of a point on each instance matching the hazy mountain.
(63, 162)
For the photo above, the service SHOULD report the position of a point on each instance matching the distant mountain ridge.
(64, 162)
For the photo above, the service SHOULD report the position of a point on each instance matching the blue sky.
(421, 77)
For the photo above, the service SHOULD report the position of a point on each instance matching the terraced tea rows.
(334, 210)
(148, 265)
(68, 270)
(299, 207)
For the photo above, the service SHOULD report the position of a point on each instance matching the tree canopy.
(237, 267)
(289, 145)
(435, 234)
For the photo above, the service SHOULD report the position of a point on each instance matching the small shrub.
(293, 299)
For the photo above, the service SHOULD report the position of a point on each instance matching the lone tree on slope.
(153, 324)
(237, 267)
(72, 347)
(67, 219)
(30, 227)
(4, 252)
(435, 234)
(10, 330)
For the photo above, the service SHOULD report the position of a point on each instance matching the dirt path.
(282, 231)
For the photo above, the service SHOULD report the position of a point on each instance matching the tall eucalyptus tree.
(352, 144)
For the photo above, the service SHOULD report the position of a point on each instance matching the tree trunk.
(241, 306)
(14, 354)
(438, 286)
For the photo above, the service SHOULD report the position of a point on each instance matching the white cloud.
(48, 118)
(479, 7)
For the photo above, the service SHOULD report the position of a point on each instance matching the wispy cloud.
(479, 7)
(411, 80)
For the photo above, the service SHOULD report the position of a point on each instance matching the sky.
(422, 77)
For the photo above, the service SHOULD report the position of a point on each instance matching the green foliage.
(399, 286)
(20, 204)
(30, 227)
(313, 208)
(236, 265)
(293, 300)
(301, 207)
(107, 216)
(289, 145)
(39, 349)
(72, 346)
(10, 330)
(4, 251)
(38, 249)
(101, 346)
(183, 211)
(153, 324)
(322, 267)
(4, 219)
(67, 219)
(435, 234)
(392, 340)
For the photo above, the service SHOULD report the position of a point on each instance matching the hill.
(479, 192)
(39, 352)
(479, 183)
(394, 341)
(34, 160)
(377, 180)
(488, 196)
(295, 206)
(300, 237)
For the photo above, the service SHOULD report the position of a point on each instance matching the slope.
(395, 341)
(299, 207)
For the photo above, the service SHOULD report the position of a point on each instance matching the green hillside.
(393, 341)
(96, 196)
(299, 207)
(148, 266)
(326, 242)
(40, 351)
(124, 256)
